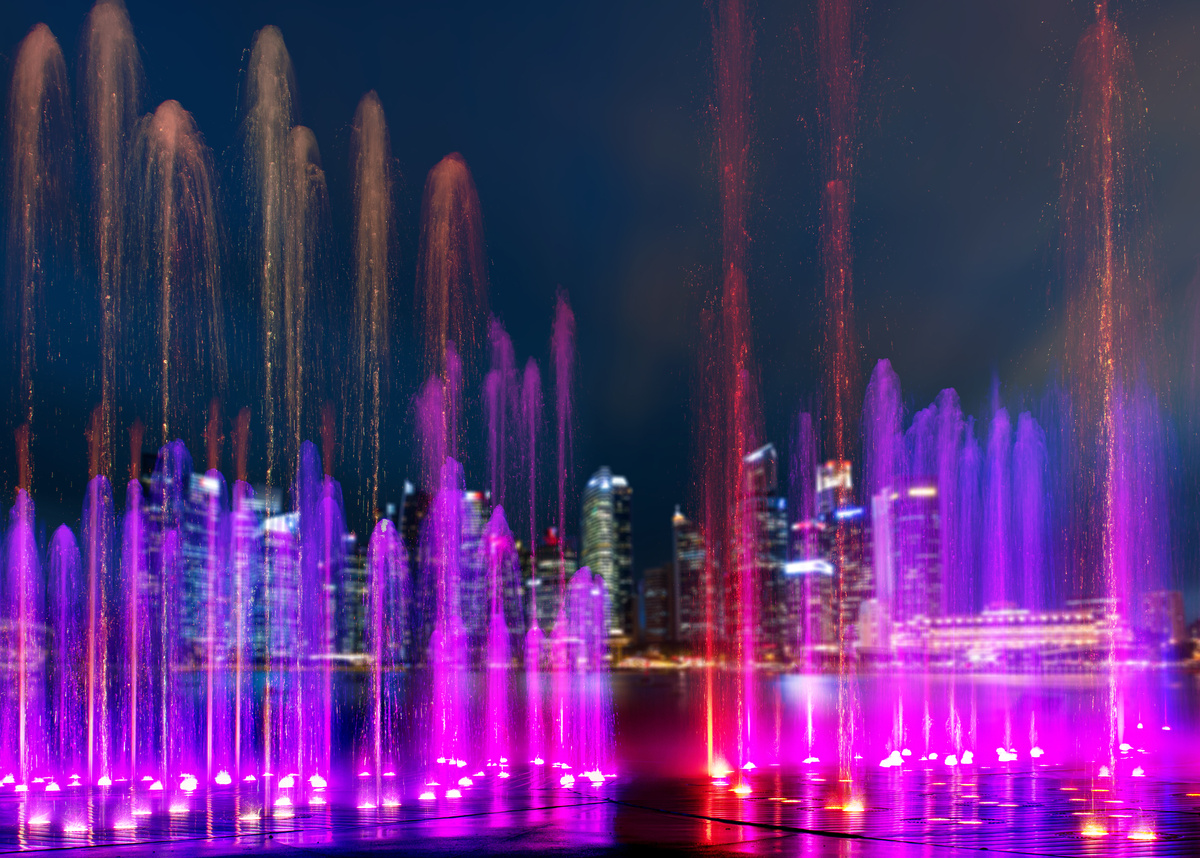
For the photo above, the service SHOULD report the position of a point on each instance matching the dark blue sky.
(586, 126)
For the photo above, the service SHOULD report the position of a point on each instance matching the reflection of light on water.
(742, 789)
(1143, 834)
(1094, 828)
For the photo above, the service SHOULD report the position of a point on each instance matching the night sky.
(588, 130)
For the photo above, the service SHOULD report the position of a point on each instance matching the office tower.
(658, 605)
(276, 610)
(917, 563)
(553, 562)
(352, 598)
(688, 583)
(474, 595)
(607, 544)
(768, 509)
(202, 546)
(835, 488)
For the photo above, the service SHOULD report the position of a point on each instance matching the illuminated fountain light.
(426, 796)
(504, 775)
(75, 828)
(44, 819)
(223, 778)
(1006, 756)
(1143, 833)
(1104, 772)
(105, 781)
(156, 786)
(749, 767)
(906, 753)
(179, 807)
(951, 760)
(53, 787)
(1125, 747)
(892, 759)
(453, 793)
(124, 825)
(968, 757)
(567, 780)
(538, 761)
(249, 779)
(1139, 772)
(390, 802)
(465, 782)
(1036, 752)
(742, 789)
(317, 782)
(854, 805)
(189, 783)
(287, 782)
(810, 760)
(21, 788)
(8, 779)
(1094, 828)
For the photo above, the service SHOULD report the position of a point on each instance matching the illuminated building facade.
(689, 559)
(1082, 634)
(607, 547)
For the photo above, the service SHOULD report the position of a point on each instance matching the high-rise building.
(845, 545)
(607, 544)
(553, 562)
(768, 509)
(689, 559)
(276, 607)
(918, 553)
(352, 598)
(200, 584)
(658, 603)
(835, 488)
(1162, 619)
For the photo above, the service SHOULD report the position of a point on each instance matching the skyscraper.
(607, 544)
(688, 583)
(552, 564)
(659, 604)
(770, 546)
